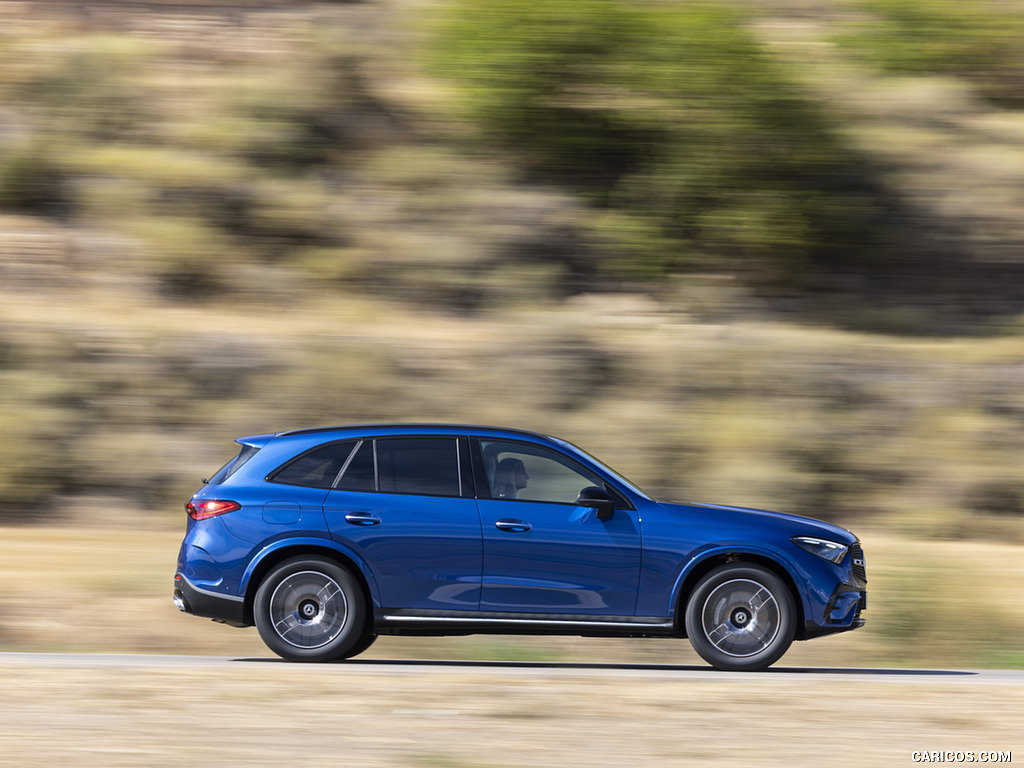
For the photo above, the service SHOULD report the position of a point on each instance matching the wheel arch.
(702, 568)
(274, 557)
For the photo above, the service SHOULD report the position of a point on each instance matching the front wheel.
(361, 645)
(310, 609)
(741, 617)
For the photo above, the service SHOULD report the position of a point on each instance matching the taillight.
(207, 508)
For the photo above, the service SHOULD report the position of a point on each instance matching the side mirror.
(597, 498)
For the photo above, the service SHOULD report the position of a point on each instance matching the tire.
(364, 642)
(310, 609)
(741, 617)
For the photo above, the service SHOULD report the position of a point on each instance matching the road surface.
(521, 669)
(108, 711)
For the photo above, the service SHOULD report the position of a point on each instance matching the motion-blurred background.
(757, 252)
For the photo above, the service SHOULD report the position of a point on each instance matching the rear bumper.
(201, 602)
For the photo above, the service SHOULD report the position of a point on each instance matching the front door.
(542, 553)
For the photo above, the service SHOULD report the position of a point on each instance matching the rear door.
(406, 505)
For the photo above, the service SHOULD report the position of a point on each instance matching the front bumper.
(842, 612)
(845, 605)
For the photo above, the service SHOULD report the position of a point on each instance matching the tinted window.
(359, 475)
(421, 465)
(317, 468)
(530, 473)
(247, 452)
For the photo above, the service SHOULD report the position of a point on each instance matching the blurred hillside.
(763, 253)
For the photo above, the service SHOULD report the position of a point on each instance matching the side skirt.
(439, 623)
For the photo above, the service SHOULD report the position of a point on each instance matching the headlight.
(827, 550)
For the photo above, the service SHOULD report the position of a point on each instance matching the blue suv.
(326, 538)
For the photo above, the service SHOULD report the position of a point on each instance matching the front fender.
(700, 561)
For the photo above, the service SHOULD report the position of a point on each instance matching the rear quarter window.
(317, 468)
(247, 452)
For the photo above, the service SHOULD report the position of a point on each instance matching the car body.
(326, 538)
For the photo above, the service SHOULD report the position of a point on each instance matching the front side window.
(531, 473)
(419, 465)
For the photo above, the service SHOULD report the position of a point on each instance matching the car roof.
(315, 435)
(415, 427)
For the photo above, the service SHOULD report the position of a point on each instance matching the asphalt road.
(520, 669)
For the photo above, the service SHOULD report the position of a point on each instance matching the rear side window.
(247, 452)
(419, 465)
(317, 468)
(359, 473)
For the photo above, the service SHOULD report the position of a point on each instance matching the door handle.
(513, 526)
(362, 518)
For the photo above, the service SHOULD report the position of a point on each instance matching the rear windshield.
(247, 452)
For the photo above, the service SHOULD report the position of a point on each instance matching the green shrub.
(35, 454)
(670, 116)
(32, 181)
(978, 40)
(90, 84)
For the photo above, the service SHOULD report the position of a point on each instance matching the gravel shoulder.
(160, 711)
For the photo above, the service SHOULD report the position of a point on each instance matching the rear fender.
(282, 549)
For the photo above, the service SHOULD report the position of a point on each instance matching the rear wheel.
(741, 617)
(310, 609)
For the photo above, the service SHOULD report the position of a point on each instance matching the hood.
(795, 525)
